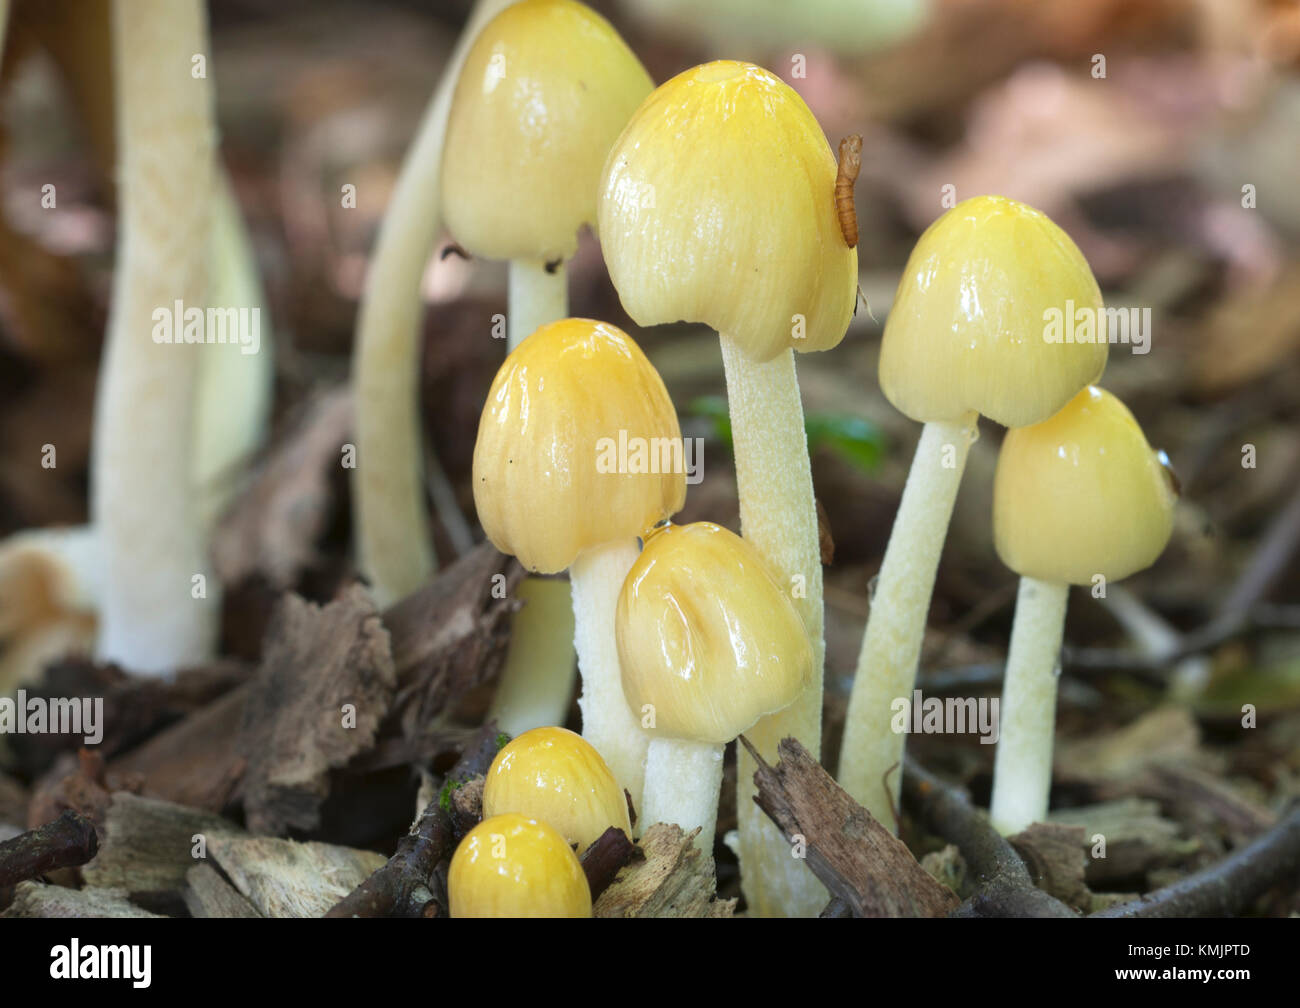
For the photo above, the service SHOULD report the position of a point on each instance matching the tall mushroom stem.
(682, 783)
(596, 577)
(392, 526)
(778, 517)
(537, 679)
(536, 296)
(870, 768)
(1022, 768)
(142, 502)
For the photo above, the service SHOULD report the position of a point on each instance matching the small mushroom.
(558, 777)
(551, 490)
(709, 643)
(966, 336)
(1077, 498)
(545, 90)
(513, 866)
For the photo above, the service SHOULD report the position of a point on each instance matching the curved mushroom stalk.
(891, 646)
(392, 528)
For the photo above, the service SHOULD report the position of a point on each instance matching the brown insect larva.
(850, 165)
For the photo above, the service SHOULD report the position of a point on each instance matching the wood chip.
(282, 878)
(207, 894)
(148, 845)
(33, 899)
(1054, 855)
(675, 879)
(325, 683)
(854, 856)
(273, 528)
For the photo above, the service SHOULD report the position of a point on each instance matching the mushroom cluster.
(687, 636)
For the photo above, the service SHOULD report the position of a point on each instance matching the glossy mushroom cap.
(707, 636)
(512, 866)
(557, 777)
(717, 206)
(544, 92)
(1081, 494)
(969, 327)
(578, 446)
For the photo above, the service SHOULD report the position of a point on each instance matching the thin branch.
(1005, 888)
(408, 884)
(61, 843)
(1231, 886)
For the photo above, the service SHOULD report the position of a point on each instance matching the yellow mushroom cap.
(578, 445)
(969, 326)
(1081, 494)
(513, 866)
(545, 89)
(707, 636)
(558, 777)
(717, 206)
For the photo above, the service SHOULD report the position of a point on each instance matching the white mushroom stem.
(1022, 769)
(870, 758)
(536, 297)
(682, 783)
(392, 527)
(537, 680)
(608, 723)
(142, 503)
(778, 517)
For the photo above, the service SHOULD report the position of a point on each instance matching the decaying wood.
(1004, 888)
(33, 899)
(673, 878)
(324, 685)
(1232, 885)
(611, 852)
(282, 878)
(197, 761)
(854, 856)
(273, 528)
(1054, 855)
(149, 845)
(408, 884)
(207, 894)
(66, 841)
(78, 783)
(447, 638)
(1138, 839)
(135, 709)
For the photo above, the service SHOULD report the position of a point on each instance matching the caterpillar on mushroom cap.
(850, 165)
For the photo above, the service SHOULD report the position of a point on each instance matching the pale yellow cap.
(1081, 494)
(545, 90)
(969, 327)
(717, 206)
(578, 446)
(706, 636)
(513, 866)
(557, 777)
